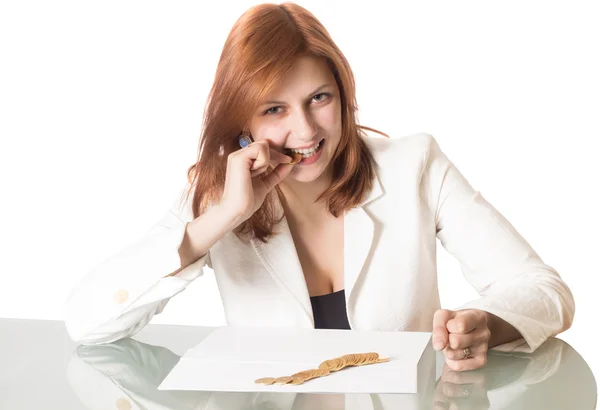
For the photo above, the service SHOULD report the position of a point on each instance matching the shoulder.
(409, 150)
(410, 166)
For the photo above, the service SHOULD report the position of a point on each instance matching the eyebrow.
(310, 95)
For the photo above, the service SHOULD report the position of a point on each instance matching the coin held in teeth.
(296, 157)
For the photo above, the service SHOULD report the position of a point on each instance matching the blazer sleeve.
(512, 280)
(117, 298)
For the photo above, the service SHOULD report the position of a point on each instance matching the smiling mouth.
(300, 154)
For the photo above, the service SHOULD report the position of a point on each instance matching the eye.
(269, 111)
(317, 97)
(323, 95)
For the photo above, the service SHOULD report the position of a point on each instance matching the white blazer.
(390, 275)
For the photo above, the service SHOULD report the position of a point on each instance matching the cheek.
(330, 117)
(272, 132)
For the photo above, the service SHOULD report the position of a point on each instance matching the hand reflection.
(126, 375)
(461, 390)
(518, 380)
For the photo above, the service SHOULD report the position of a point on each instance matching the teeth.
(307, 151)
(308, 155)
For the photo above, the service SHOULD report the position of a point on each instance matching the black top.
(330, 311)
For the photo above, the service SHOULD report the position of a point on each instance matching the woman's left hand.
(463, 335)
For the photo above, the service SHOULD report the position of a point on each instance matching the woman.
(343, 239)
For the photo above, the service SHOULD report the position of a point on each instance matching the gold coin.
(353, 359)
(326, 367)
(265, 380)
(319, 373)
(333, 365)
(322, 372)
(311, 374)
(296, 157)
(304, 373)
(327, 364)
(362, 360)
(366, 358)
(370, 358)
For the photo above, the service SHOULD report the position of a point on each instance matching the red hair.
(261, 48)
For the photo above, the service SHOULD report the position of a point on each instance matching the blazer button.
(123, 404)
(121, 296)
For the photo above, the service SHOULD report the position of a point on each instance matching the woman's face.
(302, 114)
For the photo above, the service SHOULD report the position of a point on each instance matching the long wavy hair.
(261, 48)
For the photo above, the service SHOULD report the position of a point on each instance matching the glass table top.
(43, 369)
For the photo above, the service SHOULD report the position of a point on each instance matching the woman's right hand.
(245, 187)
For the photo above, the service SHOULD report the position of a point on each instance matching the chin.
(306, 176)
(308, 173)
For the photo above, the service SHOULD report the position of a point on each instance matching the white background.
(101, 104)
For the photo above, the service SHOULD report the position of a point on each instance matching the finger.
(477, 393)
(471, 363)
(438, 400)
(452, 376)
(440, 405)
(263, 155)
(259, 171)
(457, 390)
(440, 332)
(251, 157)
(466, 320)
(473, 398)
(279, 158)
(468, 403)
(459, 354)
(277, 175)
(472, 377)
(258, 151)
(474, 337)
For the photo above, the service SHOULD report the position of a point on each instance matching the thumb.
(277, 175)
(440, 332)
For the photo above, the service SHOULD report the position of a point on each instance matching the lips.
(306, 147)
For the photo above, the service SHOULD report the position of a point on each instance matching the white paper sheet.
(232, 358)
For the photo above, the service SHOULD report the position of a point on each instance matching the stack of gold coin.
(325, 368)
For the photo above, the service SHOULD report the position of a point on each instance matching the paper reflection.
(125, 375)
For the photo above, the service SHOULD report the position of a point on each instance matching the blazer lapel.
(359, 232)
(280, 258)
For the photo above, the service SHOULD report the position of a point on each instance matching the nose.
(302, 126)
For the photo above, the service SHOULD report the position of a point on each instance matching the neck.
(301, 197)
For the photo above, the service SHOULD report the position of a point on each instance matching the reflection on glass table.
(126, 374)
